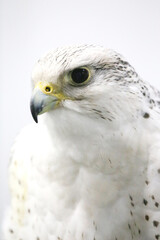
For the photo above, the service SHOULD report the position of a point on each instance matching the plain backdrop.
(30, 28)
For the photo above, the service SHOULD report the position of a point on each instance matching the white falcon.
(90, 168)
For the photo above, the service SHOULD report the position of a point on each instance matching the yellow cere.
(51, 90)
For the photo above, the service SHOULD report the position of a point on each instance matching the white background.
(30, 28)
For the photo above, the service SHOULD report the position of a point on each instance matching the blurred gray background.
(30, 28)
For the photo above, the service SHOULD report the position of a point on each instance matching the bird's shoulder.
(23, 142)
(20, 155)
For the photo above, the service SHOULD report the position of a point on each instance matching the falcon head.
(90, 80)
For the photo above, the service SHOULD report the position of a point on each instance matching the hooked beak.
(46, 96)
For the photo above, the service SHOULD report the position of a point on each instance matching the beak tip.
(41, 103)
(35, 119)
(34, 112)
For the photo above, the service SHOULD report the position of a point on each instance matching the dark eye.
(80, 75)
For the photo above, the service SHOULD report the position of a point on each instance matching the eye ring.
(79, 76)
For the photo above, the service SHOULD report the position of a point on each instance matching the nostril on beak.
(48, 89)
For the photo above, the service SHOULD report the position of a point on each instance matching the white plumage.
(90, 169)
